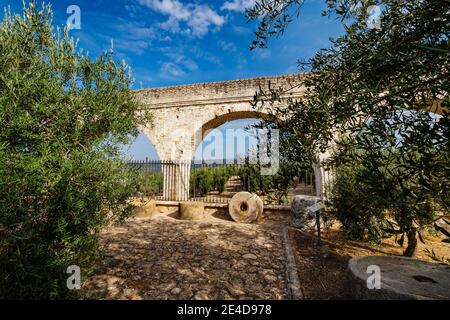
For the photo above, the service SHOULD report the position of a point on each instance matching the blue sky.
(171, 42)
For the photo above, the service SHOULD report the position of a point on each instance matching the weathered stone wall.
(204, 93)
(183, 114)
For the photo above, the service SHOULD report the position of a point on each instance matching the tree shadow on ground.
(166, 258)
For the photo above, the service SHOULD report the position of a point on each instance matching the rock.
(399, 278)
(270, 278)
(167, 287)
(245, 207)
(249, 256)
(192, 210)
(300, 216)
(443, 223)
(186, 294)
(235, 291)
(131, 294)
(175, 291)
(265, 272)
(201, 295)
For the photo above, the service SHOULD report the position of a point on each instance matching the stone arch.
(183, 114)
(149, 137)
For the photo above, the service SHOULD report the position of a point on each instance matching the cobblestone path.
(166, 258)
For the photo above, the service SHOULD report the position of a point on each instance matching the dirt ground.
(163, 257)
(322, 270)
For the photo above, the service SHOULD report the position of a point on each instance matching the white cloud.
(207, 56)
(134, 37)
(227, 46)
(263, 54)
(180, 59)
(178, 67)
(242, 31)
(198, 18)
(238, 5)
(171, 71)
(135, 46)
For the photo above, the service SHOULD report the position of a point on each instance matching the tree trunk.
(412, 244)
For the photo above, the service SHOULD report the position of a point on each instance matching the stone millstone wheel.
(245, 207)
(399, 278)
(192, 210)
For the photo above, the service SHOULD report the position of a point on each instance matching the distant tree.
(61, 117)
(358, 87)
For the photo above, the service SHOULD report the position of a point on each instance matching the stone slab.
(401, 278)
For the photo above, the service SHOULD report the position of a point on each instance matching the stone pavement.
(166, 258)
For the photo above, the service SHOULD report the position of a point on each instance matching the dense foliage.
(149, 183)
(210, 178)
(61, 116)
(375, 201)
(367, 98)
(275, 187)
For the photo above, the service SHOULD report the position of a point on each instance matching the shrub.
(357, 210)
(148, 182)
(374, 197)
(274, 186)
(61, 181)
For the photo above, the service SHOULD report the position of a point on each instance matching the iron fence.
(214, 182)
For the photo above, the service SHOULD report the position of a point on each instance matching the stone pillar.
(323, 181)
(323, 178)
(318, 180)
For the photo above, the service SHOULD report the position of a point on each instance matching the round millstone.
(400, 278)
(245, 207)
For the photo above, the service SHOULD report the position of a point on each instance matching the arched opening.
(226, 162)
(229, 117)
(140, 149)
(142, 155)
(227, 139)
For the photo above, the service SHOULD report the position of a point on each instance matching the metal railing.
(212, 182)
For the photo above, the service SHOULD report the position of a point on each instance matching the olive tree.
(62, 115)
(356, 88)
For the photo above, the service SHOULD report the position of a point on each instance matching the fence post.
(184, 171)
(168, 180)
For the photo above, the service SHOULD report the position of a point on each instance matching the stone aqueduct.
(184, 114)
